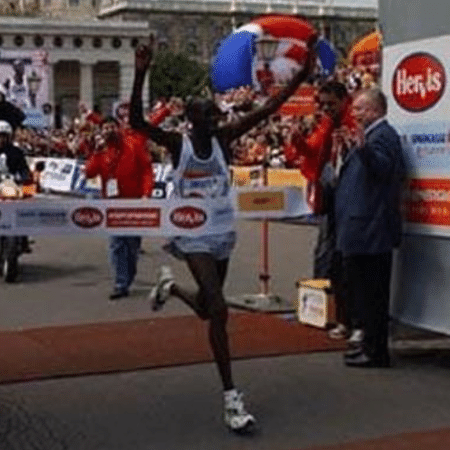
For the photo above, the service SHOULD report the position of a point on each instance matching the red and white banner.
(415, 80)
(146, 217)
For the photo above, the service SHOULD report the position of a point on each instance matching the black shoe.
(118, 293)
(353, 352)
(363, 360)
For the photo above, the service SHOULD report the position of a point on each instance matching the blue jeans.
(124, 253)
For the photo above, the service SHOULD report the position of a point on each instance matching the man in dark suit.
(9, 112)
(368, 223)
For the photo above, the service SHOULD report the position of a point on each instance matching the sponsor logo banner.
(87, 217)
(261, 201)
(147, 217)
(188, 217)
(133, 217)
(419, 82)
(415, 79)
(427, 201)
(43, 216)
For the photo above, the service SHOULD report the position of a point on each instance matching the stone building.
(88, 45)
(90, 62)
(196, 26)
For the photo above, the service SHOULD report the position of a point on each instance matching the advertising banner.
(147, 217)
(24, 80)
(416, 81)
(66, 176)
(59, 174)
(253, 176)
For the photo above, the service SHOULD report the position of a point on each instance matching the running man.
(200, 159)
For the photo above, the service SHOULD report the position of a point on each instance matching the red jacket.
(310, 153)
(129, 162)
(157, 116)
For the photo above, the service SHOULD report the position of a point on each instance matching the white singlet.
(208, 179)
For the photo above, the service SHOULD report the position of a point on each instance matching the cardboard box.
(315, 303)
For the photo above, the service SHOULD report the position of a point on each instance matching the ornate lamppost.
(152, 69)
(34, 83)
(266, 48)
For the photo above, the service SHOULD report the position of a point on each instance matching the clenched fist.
(144, 55)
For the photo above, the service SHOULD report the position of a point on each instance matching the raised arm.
(238, 127)
(171, 141)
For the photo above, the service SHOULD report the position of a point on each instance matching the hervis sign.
(419, 82)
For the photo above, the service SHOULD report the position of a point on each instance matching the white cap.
(5, 127)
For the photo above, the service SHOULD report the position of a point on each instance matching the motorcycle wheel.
(10, 260)
(10, 269)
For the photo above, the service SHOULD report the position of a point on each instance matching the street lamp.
(152, 68)
(233, 14)
(34, 82)
(150, 86)
(266, 48)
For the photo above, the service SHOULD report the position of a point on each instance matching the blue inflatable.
(327, 56)
(232, 64)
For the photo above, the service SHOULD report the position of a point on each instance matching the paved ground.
(300, 401)
(67, 281)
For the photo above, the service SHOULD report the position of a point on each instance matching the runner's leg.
(209, 303)
(196, 300)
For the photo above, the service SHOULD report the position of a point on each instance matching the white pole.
(233, 11)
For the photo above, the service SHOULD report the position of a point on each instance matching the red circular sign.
(419, 82)
(87, 217)
(188, 217)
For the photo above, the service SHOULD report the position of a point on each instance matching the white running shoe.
(338, 332)
(356, 337)
(160, 292)
(235, 416)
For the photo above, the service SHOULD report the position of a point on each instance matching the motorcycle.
(11, 247)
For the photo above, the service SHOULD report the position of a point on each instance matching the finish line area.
(58, 315)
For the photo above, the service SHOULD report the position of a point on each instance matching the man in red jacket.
(322, 148)
(125, 168)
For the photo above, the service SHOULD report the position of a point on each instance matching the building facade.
(90, 62)
(197, 26)
(84, 48)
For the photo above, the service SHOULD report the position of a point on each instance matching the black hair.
(334, 87)
(202, 103)
(109, 119)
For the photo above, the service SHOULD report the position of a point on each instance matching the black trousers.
(328, 264)
(367, 280)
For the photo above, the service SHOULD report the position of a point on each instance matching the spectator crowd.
(77, 137)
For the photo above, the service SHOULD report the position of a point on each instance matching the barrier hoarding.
(253, 176)
(147, 217)
(415, 79)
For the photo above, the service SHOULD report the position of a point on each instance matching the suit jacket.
(368, 194)
(16, 162)
(13, 115)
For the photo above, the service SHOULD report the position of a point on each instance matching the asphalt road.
(66, 280)
(299, 401)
